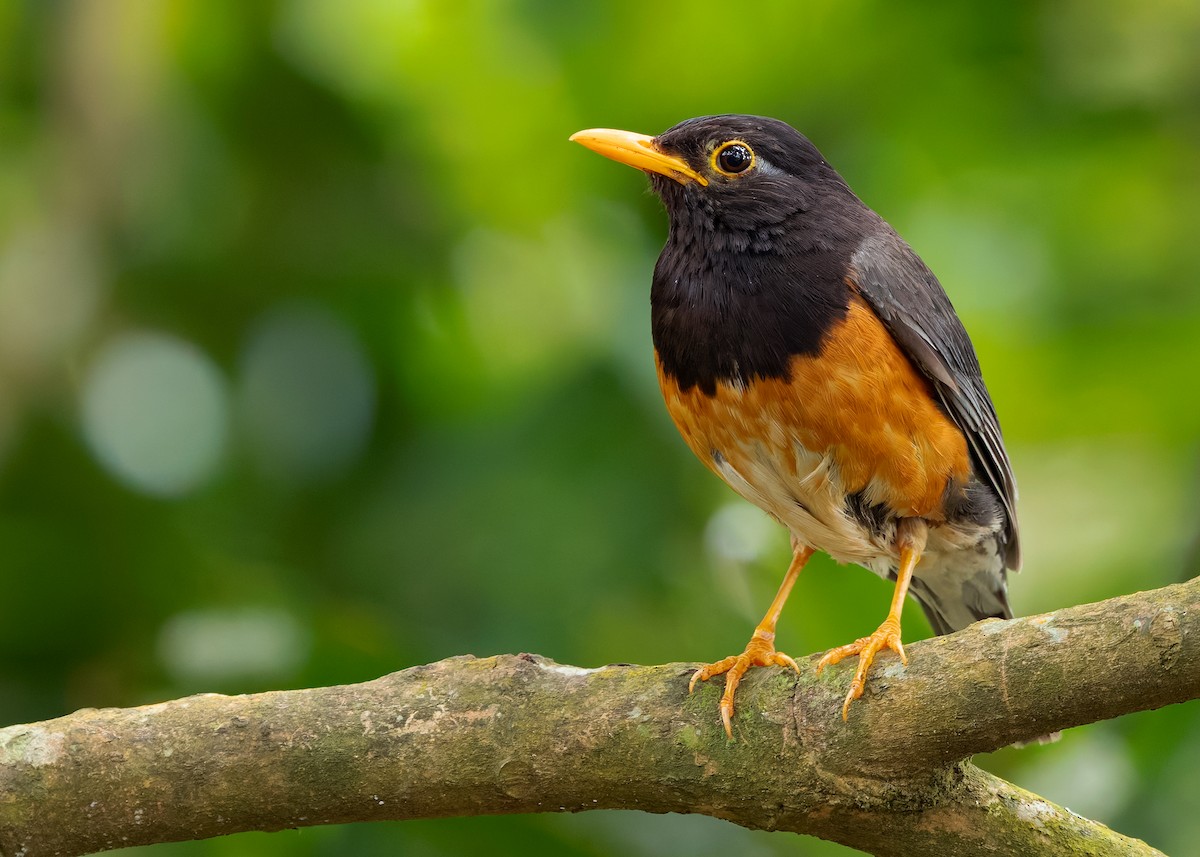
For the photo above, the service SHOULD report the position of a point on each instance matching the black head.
(731, 174)
(759, 172)
(762, 230)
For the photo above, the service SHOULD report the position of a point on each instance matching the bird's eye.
(733, 158)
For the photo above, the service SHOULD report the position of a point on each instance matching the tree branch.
(514, 734)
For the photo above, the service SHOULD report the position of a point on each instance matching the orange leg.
(911, 541)
(760, 651)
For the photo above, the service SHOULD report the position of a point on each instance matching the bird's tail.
(952, 602)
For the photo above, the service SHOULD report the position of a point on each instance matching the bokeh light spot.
(155, 413)
(306, 395)
(736, 536)
(739, 532)
(248, 643)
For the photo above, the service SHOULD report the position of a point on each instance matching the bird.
(811, 360)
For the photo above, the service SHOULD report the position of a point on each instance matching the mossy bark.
(520, 733)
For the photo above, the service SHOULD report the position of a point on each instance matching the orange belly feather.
(856, 417)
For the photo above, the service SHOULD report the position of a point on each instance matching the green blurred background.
(323, 353)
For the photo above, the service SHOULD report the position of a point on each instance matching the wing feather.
(910, 301)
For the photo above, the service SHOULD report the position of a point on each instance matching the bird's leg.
(910, 539)
(760, 651)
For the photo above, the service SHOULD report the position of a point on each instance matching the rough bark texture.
(520, 733)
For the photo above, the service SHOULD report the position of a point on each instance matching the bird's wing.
(907, 297)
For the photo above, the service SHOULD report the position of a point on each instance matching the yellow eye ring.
(733, 158)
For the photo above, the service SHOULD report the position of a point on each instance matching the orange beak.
(639, 151)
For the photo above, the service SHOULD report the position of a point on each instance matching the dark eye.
(733, 158)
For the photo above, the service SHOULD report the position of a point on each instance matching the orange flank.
(860, 406)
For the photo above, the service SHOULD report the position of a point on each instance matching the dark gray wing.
(910, 301)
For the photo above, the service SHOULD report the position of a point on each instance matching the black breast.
(732, 307)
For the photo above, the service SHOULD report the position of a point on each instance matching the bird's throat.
(733, 316)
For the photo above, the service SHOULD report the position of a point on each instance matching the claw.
(786, 661)
(911, 542)
(707, 672)
(760, 652)
(886, 636)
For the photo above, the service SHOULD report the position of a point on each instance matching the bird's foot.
(760, 652)
(886, 636)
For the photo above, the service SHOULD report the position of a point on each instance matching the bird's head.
(729, 175)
